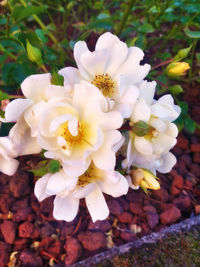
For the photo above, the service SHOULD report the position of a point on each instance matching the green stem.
(124, 17)
(192, 57)
(2, 49)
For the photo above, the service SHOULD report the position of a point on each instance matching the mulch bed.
(28, 228)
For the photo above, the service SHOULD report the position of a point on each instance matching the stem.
(44, 68)
(2, 49)
(192, 57)
(161, 64)
(124, 17)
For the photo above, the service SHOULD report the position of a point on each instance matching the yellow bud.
(176, 69)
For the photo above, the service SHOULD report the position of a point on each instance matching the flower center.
(105, 84)
(71, 139)
(88, 177)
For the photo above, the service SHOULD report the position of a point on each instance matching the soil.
(29, 235)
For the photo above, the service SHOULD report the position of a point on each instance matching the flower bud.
(177, 69)
(34, 53)
(145, 179)
(140, 128)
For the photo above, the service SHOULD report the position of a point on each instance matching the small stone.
(170, 215)
(26, 229)
(125, 217)
(177, 185)
(4, 254)
(135, 207)
(47, 230)
(195, 147)
(197, 209)
(28, 259)
(160, 194)
(196, 157)
(8, 230)
(19, 184)
(73, 250)
(46, 242)
(20, 244)
(55, 248)
(22, 214)
(182, 143)
(195, 169)
(128, 236)
(115, 207)
(152, 216)
(20, 204)
(92, 240)
(5, 203)
(186, 159)
(103, 226)
(182, 202)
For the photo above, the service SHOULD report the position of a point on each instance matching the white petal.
(111, 120)
(143, 146)
(34, 86)
(16, 108)
(40, 187)
(8, 165)
(71, 76)
(130, 95)
(172, 130)
(57, 183)
(131, 67)
(141, 111)
(147, 91)
(158, 124)
(168, 161)
(115, 189)
(96, 205)
(163, 143)
(57, 91)
(65, 208)
(82, 192)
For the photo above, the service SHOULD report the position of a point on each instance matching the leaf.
(189, 124)
(198, 57)
(176, 89)
(184, 107)
(140, 128)
(192, 34)
(4, 96)
(146, 28)
(182, 53)
(20, 12)
(41, 169)
(53, 166)
(57, 79)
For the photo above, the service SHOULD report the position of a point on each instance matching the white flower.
(25, 112)
(147, 150)
(90, 185)
(113, 67)
(8, 164)
(80, 131)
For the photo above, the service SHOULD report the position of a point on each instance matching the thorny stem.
(163, 63)
(124, 17)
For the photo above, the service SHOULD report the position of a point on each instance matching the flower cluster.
(104, 107)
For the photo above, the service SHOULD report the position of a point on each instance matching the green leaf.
(198, 57)
(189, 124)
(34, 53)
(176, 89)
(191, 34)
(53, 166)
(182, 53)
(41, 169)
(4, 96)
(57, 79)
(20, 12)
(146, 28)
(140, 128)
(184, 107)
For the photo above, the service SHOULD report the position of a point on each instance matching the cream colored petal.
(55, 91)
(96, 205)
(16, 108)
(82, 192)
(158, 124)
(141, 111)
(40, 187)
(147, 91)
(168, 161)
(8, 165)
(34, 86)
(65, 208)
(143, 146)
(172, 130)
(71, 76)
(163, 143)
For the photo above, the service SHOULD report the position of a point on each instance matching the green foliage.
(176, 89)
(57, 79)
(140, 128)
(46, 166)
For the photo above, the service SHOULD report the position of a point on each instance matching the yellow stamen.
(105, 84)
(89, 176)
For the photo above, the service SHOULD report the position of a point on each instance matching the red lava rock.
(196, 157)
(4, 253)
(19, 184)
(197, 209)
(47, 230)
(182, 142)
(92, 240)
(28, 259)
(46, 242)
(195, 147)
(8, 230)
(20, 244)
(55, 248)
(36, 233)
(128, 236)
(152, 216)
(22, 214)
(115, 207)
(145, 228)
(125, 217)
(20, 204)
(103, 226)
(4, 179)
(182, 202)
(170, 215)
(166, 206)
(67, 229)
(135, 207)
(26, 229)
(160, 194)
(195, 168)
(73, 249)
(124, 203)
(187, 160)
(5, 203)
(177, 185)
